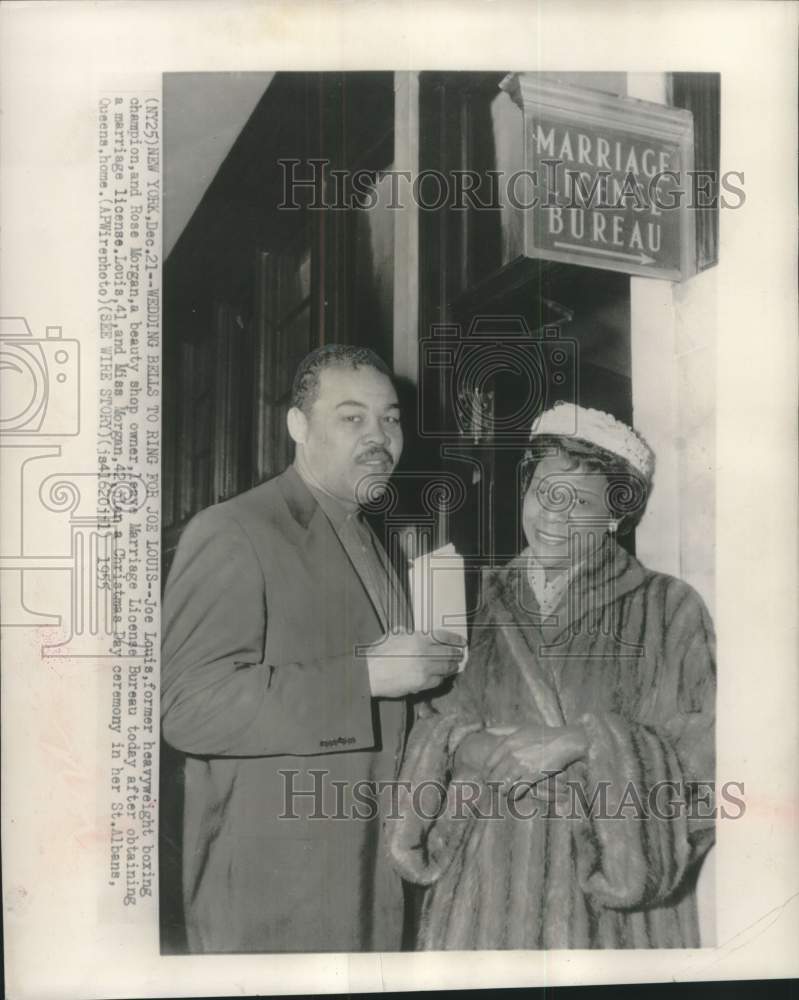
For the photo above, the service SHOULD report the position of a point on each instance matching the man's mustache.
(374, 453)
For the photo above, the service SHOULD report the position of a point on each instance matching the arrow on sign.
(639, 258)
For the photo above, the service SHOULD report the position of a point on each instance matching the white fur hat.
(601, 429)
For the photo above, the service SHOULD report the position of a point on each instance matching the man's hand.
(408, 663)
(531, 753)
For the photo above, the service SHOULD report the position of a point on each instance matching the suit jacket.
(264, 692)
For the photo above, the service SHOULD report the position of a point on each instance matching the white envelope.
(438, 592)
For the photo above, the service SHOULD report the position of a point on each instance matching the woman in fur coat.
(559, 794)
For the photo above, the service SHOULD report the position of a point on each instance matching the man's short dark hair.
(305, 387)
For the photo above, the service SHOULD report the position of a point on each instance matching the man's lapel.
(313, 532)
(300, 501)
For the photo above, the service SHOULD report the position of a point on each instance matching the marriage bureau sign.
(607, 181)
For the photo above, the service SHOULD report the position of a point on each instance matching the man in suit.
(286, 663)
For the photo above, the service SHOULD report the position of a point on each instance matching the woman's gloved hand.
(530, 754)
(474, 751)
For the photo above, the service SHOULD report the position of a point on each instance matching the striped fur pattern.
(633, 661)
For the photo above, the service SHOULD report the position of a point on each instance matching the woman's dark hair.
(628, 490)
